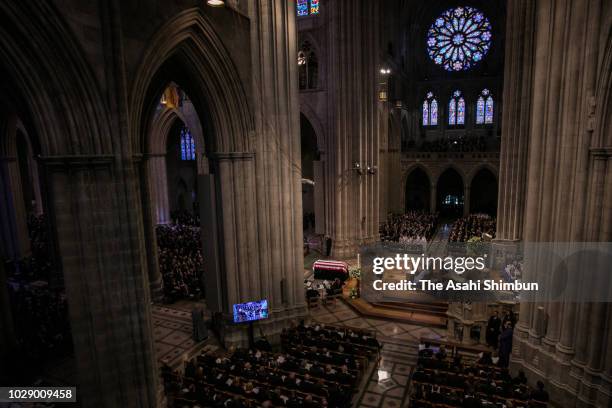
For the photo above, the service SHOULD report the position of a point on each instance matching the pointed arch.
(429, 110)
(450, 192)
(483, 191)
(308, 66)
(461, 111)
(187, 46)
(484, 108)
(417, 190)
(456, 109)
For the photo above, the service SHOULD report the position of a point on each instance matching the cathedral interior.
(191, 191)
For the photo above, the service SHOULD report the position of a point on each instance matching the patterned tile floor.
(172, 332)
(386, 384)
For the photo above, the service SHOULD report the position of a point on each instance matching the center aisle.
(386, 384)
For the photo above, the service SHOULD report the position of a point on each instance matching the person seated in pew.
(441, 354)
(540, 394)
(425, 350)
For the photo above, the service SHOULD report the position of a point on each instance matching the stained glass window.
(459, 38)
(452, 106)
(302, 8)
(188, 151)
(306, 7)
(433, 116)
(314, 6)
(484, 108)
(461, 111)
(430, 110)
(489, 110)
(480, 110)
(456, 109)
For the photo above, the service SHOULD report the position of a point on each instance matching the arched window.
(430, 110)
(484, 108)
(456, 109)
(188, 151)
(308, 66)
(306, 7)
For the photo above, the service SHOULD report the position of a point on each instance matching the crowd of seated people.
(324, 289)
(414, 227)
(441, 381)
(332, 339)
(180, 260)
(41, 319)
(474, 225)
(300, 376)
(41, 264)
(38, 299)
(461, 144)
(183, 217)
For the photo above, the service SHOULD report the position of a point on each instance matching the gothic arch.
(312, 117)
(51, 86)
(486, 166)
(450, 183)
(188, 47)
(451, 167)
(316, 51)
(417, 195)
(483, 191)
(404, 180)
(308, 37)
(432, 177)
(160, 128)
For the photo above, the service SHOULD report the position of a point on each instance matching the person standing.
(493, 329)
(505, 344)
(199, 325)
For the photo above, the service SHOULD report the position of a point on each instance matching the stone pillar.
(100, 250)
(158, 185)
(353, 78)
(152, 180)
(466, 200)
(433, 198)
(16, 239)
(260, 193)
(550, 106)
(516, 119)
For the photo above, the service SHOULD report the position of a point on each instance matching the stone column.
(101, 256)
(516, 119)
(561, 201)
(353, 77)
(150, 174)
(433, 198)
(16, 239)
(158, 185)
(260, 192)
(466, 200)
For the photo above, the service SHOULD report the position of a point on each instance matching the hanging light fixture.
(215, 3)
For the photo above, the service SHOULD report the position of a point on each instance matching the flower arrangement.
(355, 273)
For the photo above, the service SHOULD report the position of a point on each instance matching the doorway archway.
(418, 191)
(450, 193)
(188, 53)
(483, 193)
